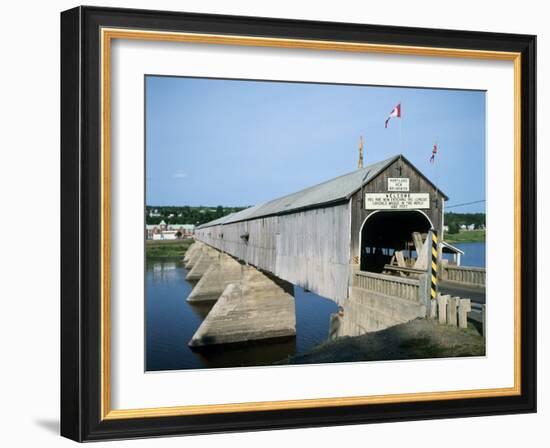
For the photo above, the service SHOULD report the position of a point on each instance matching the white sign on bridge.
(398, 184)
(397, 201)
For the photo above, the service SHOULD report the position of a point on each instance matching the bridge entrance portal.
(385, 232)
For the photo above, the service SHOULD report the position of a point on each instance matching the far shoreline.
(465, 236)
(167, 249)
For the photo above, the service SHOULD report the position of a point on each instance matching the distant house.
(154, 213)
(471, 226)
(163, 231)
(185, 230)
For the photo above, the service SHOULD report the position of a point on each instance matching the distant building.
(163, 231)
(154, 213)
(455, 252)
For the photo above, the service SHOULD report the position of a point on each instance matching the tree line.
(455, 220)
(186, 214)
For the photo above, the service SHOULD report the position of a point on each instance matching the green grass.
(418, 339)
(167, 248)
(466, 236)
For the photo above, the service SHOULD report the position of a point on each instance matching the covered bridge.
(318, 237)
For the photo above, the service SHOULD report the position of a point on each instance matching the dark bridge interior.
(387, 231)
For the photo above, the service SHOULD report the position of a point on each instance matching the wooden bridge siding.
(309, 249)
(313, 250)
(260, 249)
(417, 184)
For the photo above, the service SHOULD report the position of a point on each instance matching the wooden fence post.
(464, 307)
(433, 309)
(451, 311)
(442, 308)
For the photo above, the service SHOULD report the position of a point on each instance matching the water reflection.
(248, 354)
(171, 321)
(164, 271)
(474, 254)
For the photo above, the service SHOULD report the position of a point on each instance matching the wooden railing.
(406, 271)
(404, 288)
(464, 275)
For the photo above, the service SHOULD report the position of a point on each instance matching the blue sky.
(237, 143)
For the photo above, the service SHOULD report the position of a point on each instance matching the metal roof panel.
(339, 188)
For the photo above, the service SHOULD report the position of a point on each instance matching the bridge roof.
(331, 191)
(334, 190)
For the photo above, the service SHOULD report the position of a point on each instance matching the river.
(474, 254)
(171, 321)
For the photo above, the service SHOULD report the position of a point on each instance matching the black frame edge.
(71, 384)
(529, 222)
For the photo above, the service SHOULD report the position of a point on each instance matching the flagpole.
(401, 126)
(436, 163)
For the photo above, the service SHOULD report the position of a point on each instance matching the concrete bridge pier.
(192, 249)
(201, 264)
(195, 255)
(218, 276)
(256, 307)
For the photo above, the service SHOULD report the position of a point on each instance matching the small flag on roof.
(396, 112)
(434, 152)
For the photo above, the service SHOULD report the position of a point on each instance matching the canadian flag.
(434, 152)
(396, 112)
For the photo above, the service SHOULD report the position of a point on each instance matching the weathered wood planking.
(309, 248)
(379, 184)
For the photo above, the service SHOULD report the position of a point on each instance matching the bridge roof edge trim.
(401, 156)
